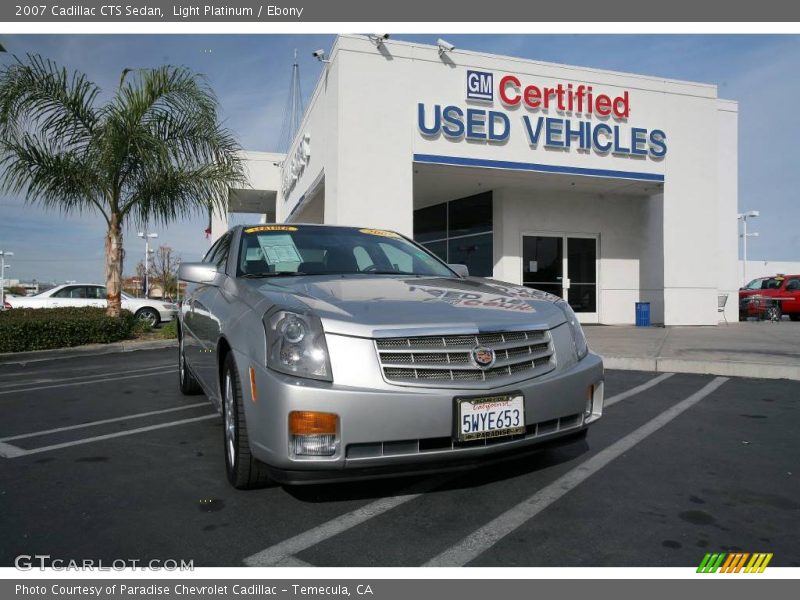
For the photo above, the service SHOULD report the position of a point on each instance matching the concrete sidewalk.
(749, 349)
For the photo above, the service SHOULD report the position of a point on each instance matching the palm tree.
(155, 152)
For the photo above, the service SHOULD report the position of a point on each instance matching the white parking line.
(637, 390)
(9, 451)
(102, 422)
(48, 380)
(292, 561)
(88, 382)
(487, 536)
(282, 552)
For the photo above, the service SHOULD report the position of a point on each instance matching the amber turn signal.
(304, 422)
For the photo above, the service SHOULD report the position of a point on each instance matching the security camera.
(378, 38)
(320, 55)
(444, 46)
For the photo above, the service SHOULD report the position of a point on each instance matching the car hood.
(382, 306)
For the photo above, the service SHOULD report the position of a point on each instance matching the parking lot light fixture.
(3, 267)
(744, 235)
(147, 237)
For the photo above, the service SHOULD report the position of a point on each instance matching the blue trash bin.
(643, 314)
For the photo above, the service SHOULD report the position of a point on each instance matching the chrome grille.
(446, 359)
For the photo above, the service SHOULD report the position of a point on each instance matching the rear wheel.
(244, 471)
(795, 317)
(186, 381)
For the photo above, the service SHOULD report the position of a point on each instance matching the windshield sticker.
(279, 249)
(380, 232)
(270, 228)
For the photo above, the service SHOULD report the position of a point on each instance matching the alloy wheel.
(230, 421)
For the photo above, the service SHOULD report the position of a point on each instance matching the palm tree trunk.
(114, 266)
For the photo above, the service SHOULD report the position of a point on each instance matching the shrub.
(24, 329)
(169, 330)
(142, 327)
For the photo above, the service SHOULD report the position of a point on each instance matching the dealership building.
(605, 188)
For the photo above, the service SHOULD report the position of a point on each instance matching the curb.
(11, 358)
(703, 367)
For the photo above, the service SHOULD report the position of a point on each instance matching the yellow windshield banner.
(380, 232)
(270, 228)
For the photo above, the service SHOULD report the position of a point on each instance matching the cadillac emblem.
(482, 357)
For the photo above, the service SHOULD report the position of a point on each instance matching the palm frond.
(39, 96)
(44, 172)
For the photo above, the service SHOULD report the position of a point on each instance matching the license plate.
(480, 418)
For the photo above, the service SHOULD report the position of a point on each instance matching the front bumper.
(400, 430)
(167, 315)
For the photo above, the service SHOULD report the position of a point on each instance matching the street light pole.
(743, 218)
(3, 268)
(147, 237)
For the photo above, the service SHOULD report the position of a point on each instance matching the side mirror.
(461, 270)
(198, 272)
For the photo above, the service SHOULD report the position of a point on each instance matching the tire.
(186, 381)
(148, 315)
(243, 470)
(795, 316)
(773, 312)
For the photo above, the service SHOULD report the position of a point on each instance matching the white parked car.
(92, 294)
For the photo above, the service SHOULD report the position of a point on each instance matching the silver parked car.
(345, 353)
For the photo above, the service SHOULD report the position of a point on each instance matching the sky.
(251, 77)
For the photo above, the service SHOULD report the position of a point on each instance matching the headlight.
(167, 306)
(296, 345)
(581, 347)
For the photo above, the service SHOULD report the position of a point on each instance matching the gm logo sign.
(480, 85)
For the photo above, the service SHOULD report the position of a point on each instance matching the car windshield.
(765, 283)
(275, 250)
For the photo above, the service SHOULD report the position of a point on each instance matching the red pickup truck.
(771, 297)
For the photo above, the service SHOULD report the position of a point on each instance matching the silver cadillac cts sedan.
(346, 353)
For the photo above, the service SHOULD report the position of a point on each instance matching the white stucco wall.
(617, 221)
(672, 248)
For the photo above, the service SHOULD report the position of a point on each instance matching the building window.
(459, 232)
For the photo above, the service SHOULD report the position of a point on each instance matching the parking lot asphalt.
(102, 458)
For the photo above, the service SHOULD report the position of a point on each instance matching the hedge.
(169, 330)
(24, 329)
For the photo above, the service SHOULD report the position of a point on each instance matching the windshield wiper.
(387, 273)
(275, 274)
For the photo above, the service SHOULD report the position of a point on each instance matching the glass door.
(582, 275)
(543, 263)
(545, 260)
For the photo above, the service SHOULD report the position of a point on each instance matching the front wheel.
(186, 381)
(148, 315)
(244, 471)
(773, 312)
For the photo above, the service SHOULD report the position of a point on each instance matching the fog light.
(589, 401)
(312, 433)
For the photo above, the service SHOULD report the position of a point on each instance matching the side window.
(65, 292)
(221, 255)
(793, 285)
(209, 257)
(218, 253)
